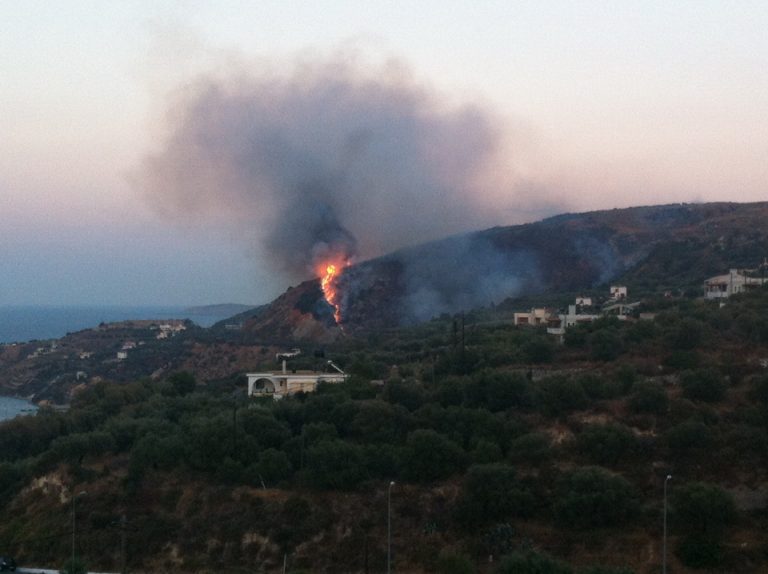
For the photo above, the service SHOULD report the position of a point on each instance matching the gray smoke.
(325, 159)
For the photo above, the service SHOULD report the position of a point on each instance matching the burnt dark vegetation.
(502, 442)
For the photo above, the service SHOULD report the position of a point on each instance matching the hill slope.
(651, 248)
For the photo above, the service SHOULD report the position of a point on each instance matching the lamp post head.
(392, 483)
(669, 476)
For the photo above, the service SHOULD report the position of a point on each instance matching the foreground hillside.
(509, 453)
(651, 249)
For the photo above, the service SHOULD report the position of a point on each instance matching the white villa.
(733, 282)
(278, 384)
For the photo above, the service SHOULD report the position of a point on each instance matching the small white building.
(278, 384)
(122, 355)
(618, 292)
(538, 316)
(572, 317)
(583, 301)
(732, 283)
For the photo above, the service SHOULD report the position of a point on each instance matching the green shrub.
(703, 385)
(492, 493)
(649, 397)
(532, 562)
(532, 448)
(560, 395)
(606, 444)
(454, 563)
(430, 456)
(592, 497)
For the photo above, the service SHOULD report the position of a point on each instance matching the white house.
(618, 292)
(733, 282)
(278, 384)
(538, 316)
(572, 317)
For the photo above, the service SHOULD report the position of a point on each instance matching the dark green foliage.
(703, 385)
(689, 438)
(702, 511)
(538, 350)
(703, 508)
(686, 335)
(532, 448)
(492, 493)
(486, 451)
(605, 344)
(430, 456)
(600, 388)
(454, 563)
(697, 551)
(592, 497)
(561, 395)
(274, 466)
(76, 566)
(405, 393)
(380, 422)
(498, 391)
(334, 464)
(606, 444)
(182, 383)
(606, 570)
(532, 562)
(649, 397)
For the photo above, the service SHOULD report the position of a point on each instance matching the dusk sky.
(568, 106)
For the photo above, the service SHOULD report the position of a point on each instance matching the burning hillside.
(566, 253)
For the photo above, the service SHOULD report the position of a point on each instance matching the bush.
(703, 385)
(429, 456)
(605, 345)
(689, 438)
(454, 563)
(561, 395)
(703, 509)
(335, 464)
(492, 493)
(592, 497)
(533, 448)
(274, 466)
(531, 562)
(649, 397)
(606, 444)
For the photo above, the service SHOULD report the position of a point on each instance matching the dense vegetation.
(509, 453)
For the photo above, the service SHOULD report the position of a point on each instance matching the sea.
(33, 322)
(10, 408)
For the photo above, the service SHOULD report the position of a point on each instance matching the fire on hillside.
(329, 272)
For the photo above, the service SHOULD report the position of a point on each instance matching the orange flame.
(328, 282)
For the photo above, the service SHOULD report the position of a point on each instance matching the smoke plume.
(327, 159)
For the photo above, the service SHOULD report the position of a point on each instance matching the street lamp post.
(389, 527)
(664, 550)
(74, 497)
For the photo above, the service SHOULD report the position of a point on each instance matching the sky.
(597, 104)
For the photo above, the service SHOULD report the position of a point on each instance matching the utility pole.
(664, 550)
(389, 528)
(123, 543)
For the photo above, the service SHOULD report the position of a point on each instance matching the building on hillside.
(278, 384)
(620, 309)
(565, 320)
(732, 283)
(618, 292)
(537, 316)
(583, 301)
